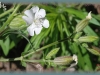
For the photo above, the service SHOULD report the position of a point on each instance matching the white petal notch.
(36, 20)
(35, 9)
(46, 23)
(42, 13)
(29, 14)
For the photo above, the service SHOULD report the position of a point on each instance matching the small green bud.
(77, 35)
(83, 23)
(85, 45)
(17, 23)
(52, 53)
(87, 39)
(65, 60)
(94, 50)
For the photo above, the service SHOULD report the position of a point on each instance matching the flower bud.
(83, 23)
(77, 35)
(89, 15)
(85, 45)
(75, 58)
(17, 23)
(87, 39)
(65, 60)
(94, 50)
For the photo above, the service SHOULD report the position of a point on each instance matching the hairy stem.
(21, 58)
(27, 7)
(11, 59)
(9, 18)
(6, 12)
(44, 47)
(25, 60)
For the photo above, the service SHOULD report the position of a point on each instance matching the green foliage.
(5, 45)
(63, 21)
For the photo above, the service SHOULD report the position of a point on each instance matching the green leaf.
(94, 21)
(5, 46)
(76, 50)
(50, 15)
(52, 53)
(23, 64)
(77, 13)
(51, 9)
(89, 31)
(86, 59)
(7, 43)
(12, 44)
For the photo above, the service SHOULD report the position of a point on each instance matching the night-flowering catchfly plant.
(35, 20)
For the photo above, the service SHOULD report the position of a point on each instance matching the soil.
(16, 67)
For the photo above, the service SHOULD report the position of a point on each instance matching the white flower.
(35, 18)
(75, 58)
(89, 15)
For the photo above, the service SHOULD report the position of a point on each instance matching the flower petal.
(38, 30)
(46, 23)
(40, 14)
(29, 14)
(27, 19)
(30, 29)
(35, 9)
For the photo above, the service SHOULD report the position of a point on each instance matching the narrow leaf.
(52, 53)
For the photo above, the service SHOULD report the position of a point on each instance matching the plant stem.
(9, 18)
(25, 60)
(27, 7)
(44, 47)
(21, 58)
(11, 59)
(6, 12)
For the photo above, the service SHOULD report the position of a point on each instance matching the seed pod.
(83, 23)
(85, 45)
(17, 23)
(65, 60)
(88, 39)
(94, 50)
